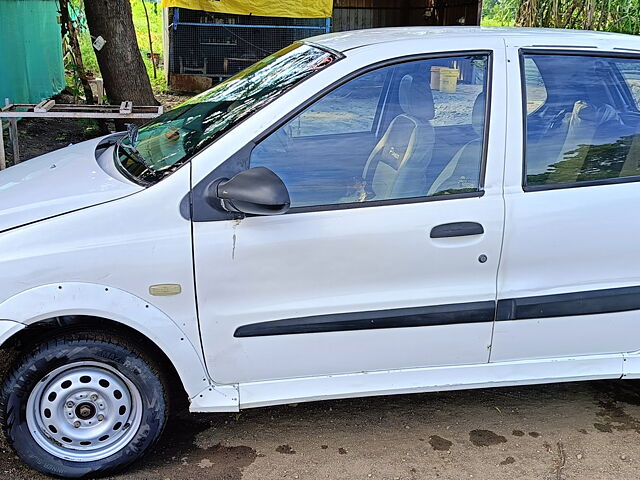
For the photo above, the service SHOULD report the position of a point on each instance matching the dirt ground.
(561, 431)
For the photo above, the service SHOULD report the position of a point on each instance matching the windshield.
(158, 148)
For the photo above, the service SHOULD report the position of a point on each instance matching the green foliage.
(90, 127)
(608, 15)
(72, 79)
(140, 24)
(499, 13)
(88, 54)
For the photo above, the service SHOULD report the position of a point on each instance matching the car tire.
(83, 404)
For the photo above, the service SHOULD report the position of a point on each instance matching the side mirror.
(257, 191)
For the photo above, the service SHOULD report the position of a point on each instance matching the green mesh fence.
(31, 66)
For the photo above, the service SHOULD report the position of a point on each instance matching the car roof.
(348, 40)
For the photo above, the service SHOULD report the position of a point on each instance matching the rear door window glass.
(631, 74)
(587, 128)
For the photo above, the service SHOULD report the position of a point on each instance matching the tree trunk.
(125, 76)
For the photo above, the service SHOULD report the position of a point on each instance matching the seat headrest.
(416, 99)
(596, 113)
(477, 115)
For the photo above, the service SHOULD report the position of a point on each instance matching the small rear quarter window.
(536, 90)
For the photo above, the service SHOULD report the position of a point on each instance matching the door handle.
(456, 229)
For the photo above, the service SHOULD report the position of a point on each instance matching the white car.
(362, 213)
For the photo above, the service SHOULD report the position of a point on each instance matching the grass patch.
(159, 84)
(140, 23)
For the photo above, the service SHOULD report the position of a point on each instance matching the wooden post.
(13, 136)
(165, 42)
(3, 160)
(100, 88)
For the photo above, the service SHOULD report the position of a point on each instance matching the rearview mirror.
(257, 191)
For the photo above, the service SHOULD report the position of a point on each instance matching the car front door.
(569, 281)
(387, 259)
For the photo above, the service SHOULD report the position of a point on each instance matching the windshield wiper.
(132, 133)
(134, 155)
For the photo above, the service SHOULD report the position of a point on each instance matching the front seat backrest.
(396, 168)
(463, 170)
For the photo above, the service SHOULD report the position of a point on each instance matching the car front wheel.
(83, 404)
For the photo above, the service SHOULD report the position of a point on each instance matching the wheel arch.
(51, 308)
(43, 330)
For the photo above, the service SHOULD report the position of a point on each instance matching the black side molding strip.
(472, 312)
(589, 302)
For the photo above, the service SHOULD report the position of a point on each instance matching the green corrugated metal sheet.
(31, 66)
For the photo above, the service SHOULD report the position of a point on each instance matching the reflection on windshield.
(162, 145)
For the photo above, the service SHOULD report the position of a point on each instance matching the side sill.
(216, 399)
(631, 365)
(433, 379)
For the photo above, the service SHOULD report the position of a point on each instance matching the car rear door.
(339, 285)
(569, 280)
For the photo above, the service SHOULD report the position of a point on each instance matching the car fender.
(8, 328)
(74, 298)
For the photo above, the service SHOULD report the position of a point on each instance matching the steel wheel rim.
(84, 411)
